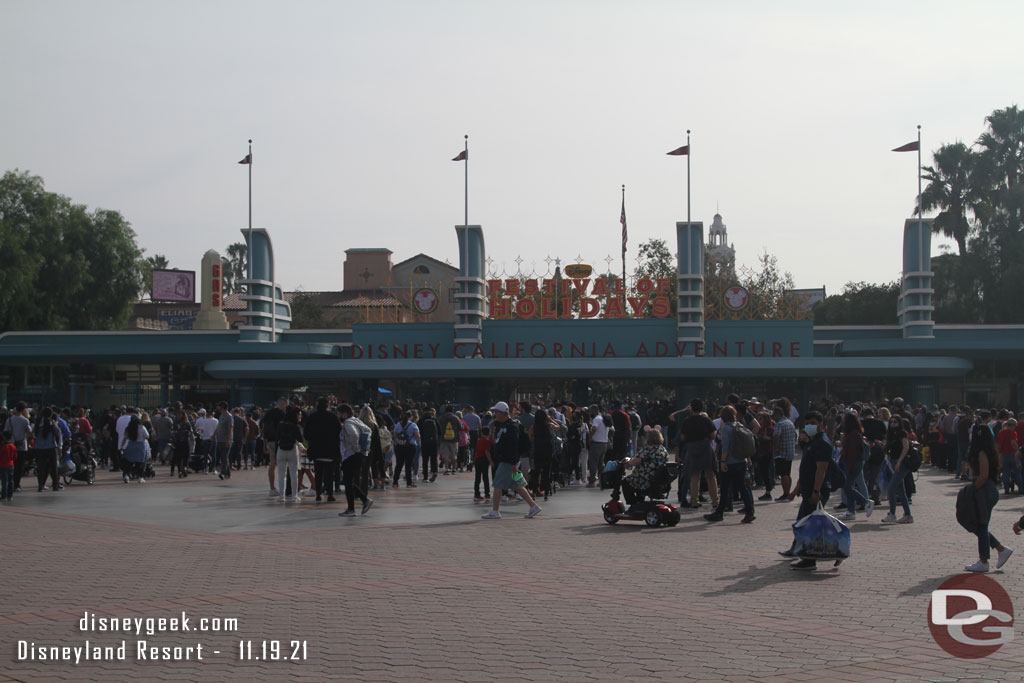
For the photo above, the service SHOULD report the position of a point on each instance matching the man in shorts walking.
(505, 451)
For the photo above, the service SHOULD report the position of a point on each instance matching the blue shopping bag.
(820, 536)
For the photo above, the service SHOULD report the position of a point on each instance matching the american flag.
(622, 219)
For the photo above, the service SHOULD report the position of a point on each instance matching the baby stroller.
(651, 508)
(199, 462)
(80, 465)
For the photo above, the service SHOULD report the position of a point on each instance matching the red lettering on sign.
(216, 299)
(664, 285)
(530, 287)
(557, 352)
(660, 349)
(645, 285)
(215, 270)
(547, 308)
(549, 286)
(776, 349)
(638, 304)
(589, 307)
(614, 309)
(609, 350)
(581, 286)
(753, 350)
(794, 349)
(493, 287)
(526, 308)
(538, 354)
(661, 307)
(739, 349)
(698, 349)
(642, 351)
(512, 287)
(722, 350)
(499, 307)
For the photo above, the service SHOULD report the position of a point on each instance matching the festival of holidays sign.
(554, 298)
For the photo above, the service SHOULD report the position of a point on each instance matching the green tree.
(655, 260)
(308, 314)
(64, 267)
(235, 267)
(953, 188)
(860, 303)
(151, 263)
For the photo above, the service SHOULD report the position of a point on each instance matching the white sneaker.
(141, 480)
(1004, 555)
(274, 494)
(296, 499)
(869, 507)
(308, 493)
(493, 514)
(534, 511)
(574, 482)
(849, 516)
(978, 567)
(280, 499)
(889, 519)
(906, 519)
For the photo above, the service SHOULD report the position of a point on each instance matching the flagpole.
(248, 255)
(465, 194)
(624, 248)
(688, 155)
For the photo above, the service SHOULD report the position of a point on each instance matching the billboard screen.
(174, 285)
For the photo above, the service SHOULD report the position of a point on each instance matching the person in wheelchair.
(645, 464)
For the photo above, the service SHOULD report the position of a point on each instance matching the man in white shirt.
(598, 446)
(207, 428)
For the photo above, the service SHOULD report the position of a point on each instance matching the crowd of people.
(862, 452)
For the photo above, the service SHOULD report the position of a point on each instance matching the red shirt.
(8, 454)
(483, 447)
(1006, 438)
(84, 426)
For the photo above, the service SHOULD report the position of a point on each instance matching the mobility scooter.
(651, 508)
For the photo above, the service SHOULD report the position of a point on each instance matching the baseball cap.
(202, 411)
(500, 406)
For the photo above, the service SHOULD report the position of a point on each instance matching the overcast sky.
(356, 109)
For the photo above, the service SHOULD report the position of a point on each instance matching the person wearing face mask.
(817, 454)
(897, 445)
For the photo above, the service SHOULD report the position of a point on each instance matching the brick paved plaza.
(422, 589)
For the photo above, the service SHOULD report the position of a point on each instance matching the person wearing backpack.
(450, 426)
(404, 439)
(897, 445)
(289, 434)
(427, 434)
(737, 453)
(984, 466)
(853, 447)
(269, 425)
(356, 439)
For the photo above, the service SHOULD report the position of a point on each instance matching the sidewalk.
(422, 589)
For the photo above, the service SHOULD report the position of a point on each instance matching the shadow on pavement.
(925, 587)
(758, 578)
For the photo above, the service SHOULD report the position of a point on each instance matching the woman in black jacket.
(983, 459)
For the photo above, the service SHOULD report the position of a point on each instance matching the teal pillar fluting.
(690, 266)
(470, 299)
(915, 309)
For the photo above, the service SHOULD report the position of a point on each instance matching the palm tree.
(953, 188)
(1003, 147)
(235, 266)
(151, 263)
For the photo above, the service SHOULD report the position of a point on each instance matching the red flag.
(681, 152)
(247, 159)
(909, 147)
(463, 156)
(622, 219)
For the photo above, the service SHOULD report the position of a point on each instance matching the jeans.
(766, 472)
(403, 458)
(20, 465)
(851, 489)
(733, 480)
(961, 457)
(323, 472)
(287, 462)
(897, 489)
(236, 455)
(6, 483)
(249, 452)
(1011, 473)
(483, 473)
(209, 448)
(987, 499)
(224, 458)
(595, 459)
(351, 473)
